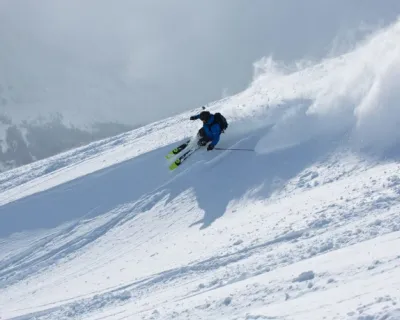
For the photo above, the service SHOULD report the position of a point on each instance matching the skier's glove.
(202, 142)
(192, 118)
(210, 147)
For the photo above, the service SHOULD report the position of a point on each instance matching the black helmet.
(205, 116)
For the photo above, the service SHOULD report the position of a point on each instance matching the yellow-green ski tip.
(173, 166)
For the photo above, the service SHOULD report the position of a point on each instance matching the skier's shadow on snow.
(88, 196)
(217, 182)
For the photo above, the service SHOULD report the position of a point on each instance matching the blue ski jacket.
(212, 130)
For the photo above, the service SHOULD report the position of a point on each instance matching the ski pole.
(235, 149)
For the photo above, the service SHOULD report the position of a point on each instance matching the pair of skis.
(183, 157)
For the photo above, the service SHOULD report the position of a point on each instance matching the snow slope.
(305, 227)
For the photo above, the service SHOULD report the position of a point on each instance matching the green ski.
(181, 159)
(177, 150)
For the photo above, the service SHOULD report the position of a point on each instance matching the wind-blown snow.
(307, 227)
(356, 93)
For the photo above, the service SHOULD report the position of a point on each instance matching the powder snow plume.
(355, 95)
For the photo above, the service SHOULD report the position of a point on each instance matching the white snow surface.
(305, 227)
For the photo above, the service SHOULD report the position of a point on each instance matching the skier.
(213, 126)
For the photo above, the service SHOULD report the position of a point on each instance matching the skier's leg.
(202, 138)
(201, 133)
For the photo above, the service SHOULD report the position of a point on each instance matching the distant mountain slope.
(25, 142)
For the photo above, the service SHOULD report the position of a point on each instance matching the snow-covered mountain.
(22, 142)
(305, 226)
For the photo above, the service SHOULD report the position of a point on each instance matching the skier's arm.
(197, 116)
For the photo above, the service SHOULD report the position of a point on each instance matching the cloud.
(139, 61)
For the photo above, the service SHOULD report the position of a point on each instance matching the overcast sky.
(138, 61)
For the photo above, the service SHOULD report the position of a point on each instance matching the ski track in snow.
(307, 227)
